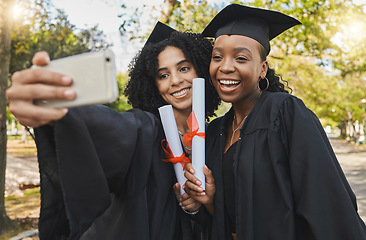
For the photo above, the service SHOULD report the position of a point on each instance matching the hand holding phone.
(94, 79)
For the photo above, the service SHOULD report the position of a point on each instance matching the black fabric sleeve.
(325, 204)
(95, 151)
(52, 222)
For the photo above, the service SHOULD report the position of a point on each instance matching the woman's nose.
(226, 66)
(176, 79)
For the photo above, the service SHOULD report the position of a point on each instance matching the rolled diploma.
(172, 137)
(198, 143)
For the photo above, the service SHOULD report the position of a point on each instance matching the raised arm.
(37, 83)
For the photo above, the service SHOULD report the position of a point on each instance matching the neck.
(242, 108)
(181, 119)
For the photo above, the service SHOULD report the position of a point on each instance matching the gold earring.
(267, 82)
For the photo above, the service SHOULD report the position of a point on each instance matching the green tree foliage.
(121, 104)
(323, 59)
(40, 26)
(188, 15)
(193, 15)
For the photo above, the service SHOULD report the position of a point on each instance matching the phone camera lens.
(108, 59)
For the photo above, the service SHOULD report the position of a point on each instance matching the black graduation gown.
(102, 177)
(288, 182)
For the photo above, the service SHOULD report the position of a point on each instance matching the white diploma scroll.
(198, 143)
(172, 137)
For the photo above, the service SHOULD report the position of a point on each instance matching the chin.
(227, 98)
(183, 107)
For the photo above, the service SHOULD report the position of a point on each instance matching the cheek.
(212, 70)
(161, 86)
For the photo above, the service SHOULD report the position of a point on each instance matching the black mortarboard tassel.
(260, 24)
(160, 33)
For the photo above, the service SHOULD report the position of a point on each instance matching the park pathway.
(20, 171)
(352, 159)
(353, 162)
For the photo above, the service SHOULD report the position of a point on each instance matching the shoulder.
(275, 98)
(289, 109)
(144, 115)
(215, 123)
(270, 108)
(279, 101)
(105, 116)
(214, 126)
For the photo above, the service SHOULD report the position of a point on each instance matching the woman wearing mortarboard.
(102, 174)
(274, 173)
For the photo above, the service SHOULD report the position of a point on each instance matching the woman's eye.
(241, 58)
(163, 76)
(184, 69)
(216, 57)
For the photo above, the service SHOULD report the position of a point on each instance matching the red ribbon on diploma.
(193, 126)
(170, 157)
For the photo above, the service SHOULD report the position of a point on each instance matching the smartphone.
(94, 79)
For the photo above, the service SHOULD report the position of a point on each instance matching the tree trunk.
(6, 17)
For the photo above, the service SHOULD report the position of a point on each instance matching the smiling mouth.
(229, 83)
(181, 92)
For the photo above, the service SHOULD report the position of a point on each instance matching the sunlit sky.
(102, 12)
(84, 13)
(87, 13)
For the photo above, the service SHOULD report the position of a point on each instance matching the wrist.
(191, 213)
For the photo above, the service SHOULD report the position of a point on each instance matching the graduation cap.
(160, 33)
(260, 24)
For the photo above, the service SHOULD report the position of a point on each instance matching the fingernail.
(65, 110)
(198, 183)
(69, 93)
(191, 170)
(202, 193)
(47, 58)
(66, 79)
(200, 189)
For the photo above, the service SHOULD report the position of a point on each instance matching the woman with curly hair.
(102, 174)
(144, 93)
(273, 173)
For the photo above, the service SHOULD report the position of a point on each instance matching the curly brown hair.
(141, 89)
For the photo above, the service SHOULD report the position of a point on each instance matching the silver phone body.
(94, 79)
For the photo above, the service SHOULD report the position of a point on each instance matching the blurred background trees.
(323, 60)
(37, 25)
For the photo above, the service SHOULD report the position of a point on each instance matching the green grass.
(23, 210)
(20, 149)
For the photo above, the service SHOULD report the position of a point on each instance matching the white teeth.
(228, 82)
(180, 93)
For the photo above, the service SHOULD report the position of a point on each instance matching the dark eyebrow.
(242, 49)
(238, 49)
(218, 48)
(183, 61)
(161, 69)
(179, 63)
